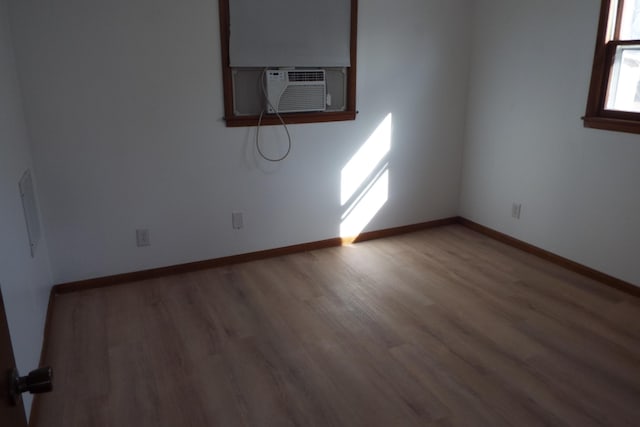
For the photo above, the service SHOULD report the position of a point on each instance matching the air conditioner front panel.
(302, 98)
(290, 91)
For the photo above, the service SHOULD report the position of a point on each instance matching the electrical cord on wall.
(285, 155)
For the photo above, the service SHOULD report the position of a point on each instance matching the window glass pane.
(624, 84)
(630, 24)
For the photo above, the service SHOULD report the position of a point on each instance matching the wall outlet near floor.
(142, 237)
(236, 220)
(516, 208)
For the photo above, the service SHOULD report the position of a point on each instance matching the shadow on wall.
(364, 182)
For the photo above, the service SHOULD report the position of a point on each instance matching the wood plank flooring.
(443, 327)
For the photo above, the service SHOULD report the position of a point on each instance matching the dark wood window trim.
(236, 121)
(597, 116)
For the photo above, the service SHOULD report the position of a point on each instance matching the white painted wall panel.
(525, 141)
(124, 100)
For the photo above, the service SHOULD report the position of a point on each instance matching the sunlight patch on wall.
(365, 182)
(363, 211)
(365, 160)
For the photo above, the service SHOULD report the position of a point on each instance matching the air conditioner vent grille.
(302, 98)
(306, 76)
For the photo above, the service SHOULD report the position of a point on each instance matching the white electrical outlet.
(236, 220)
(142, 237)
(516, 208)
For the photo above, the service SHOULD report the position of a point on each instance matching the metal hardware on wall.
(38, 381)
(30, 208)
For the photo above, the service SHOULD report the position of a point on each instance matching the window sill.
(608, 123)
(291, 118)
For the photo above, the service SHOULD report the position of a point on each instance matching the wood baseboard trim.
(153, 273)
(395, 231)
(328, 243)
(137, 276)
(589, 272)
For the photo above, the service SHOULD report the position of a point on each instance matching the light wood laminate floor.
(443, 327)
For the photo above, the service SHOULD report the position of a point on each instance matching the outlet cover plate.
(142, 237)
(237, 220)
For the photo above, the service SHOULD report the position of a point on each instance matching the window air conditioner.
(290, 91)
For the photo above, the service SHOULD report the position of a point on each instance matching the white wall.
(579, 188)
(25, 281)
(124, 102)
